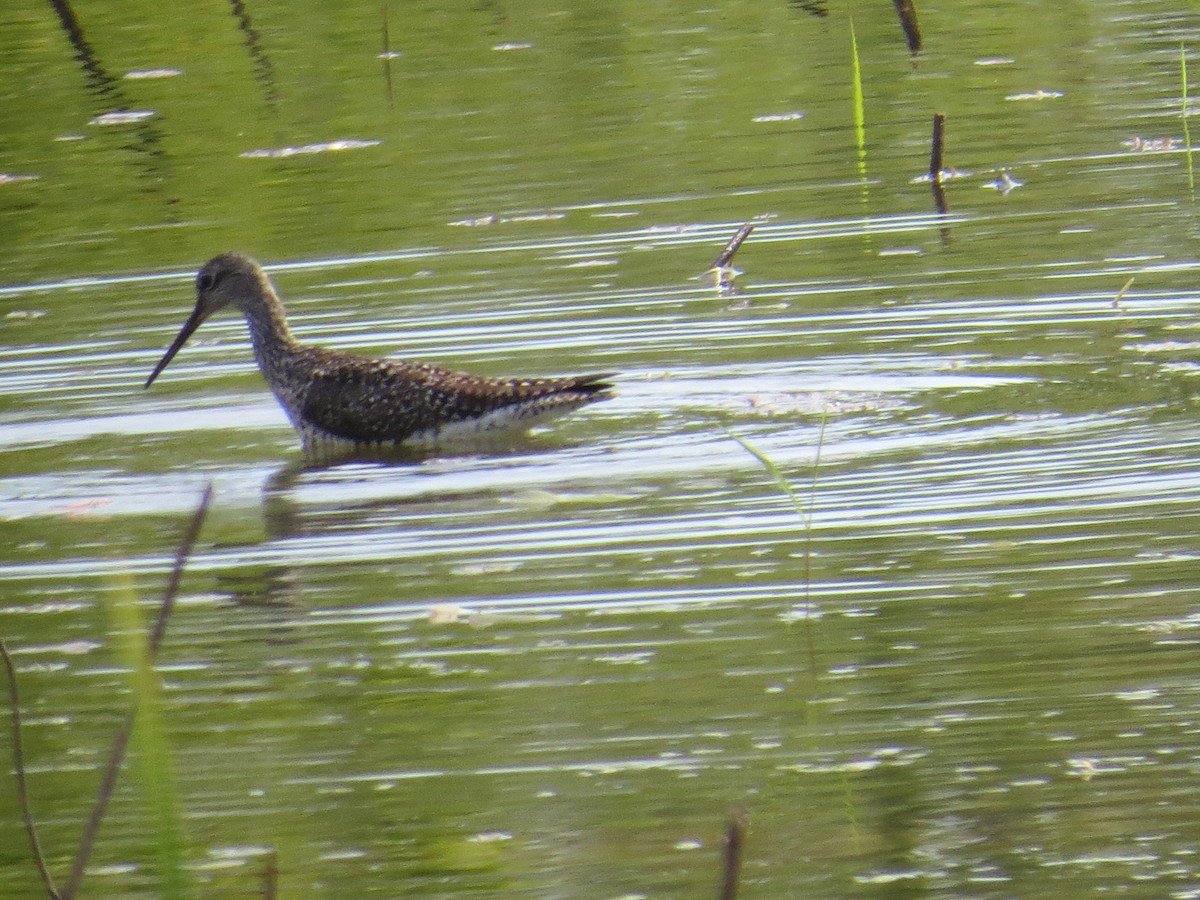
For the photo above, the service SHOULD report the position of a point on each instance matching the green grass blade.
(1121, 293)
(805, 512)
(152, 752)
(1183, 114)
(860, 119)
(773, 470)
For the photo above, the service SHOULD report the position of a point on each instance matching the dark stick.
(908, 21)
(725, 257)
(935, 154)
(14, 702)
(939, 199)
(935, 166)
(735, 834)
(270, 876)
(116, 755)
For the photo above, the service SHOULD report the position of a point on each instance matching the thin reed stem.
(1183, 114)
(14, 703)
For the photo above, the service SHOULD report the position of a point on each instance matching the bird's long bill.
(185, 332)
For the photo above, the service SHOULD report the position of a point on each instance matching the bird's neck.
(269, 330)
(275, 350)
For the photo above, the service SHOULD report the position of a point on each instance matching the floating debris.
(71, 648)
(449, 614)
(307, 149)
(802, 612)
(11, 179)
(1036, 95)
(113, 869)
(340, 855)
(390, 54)
(493, 219)
(122, 117)
(1152, 145)
(995, 61)
(779, 117)
(1164, 347)
(511, 46)
(1004, 182)
(489, 837)
(950, 174)
(818, 403)
(600, 263)
(71, 137)
(477, 570)
(91, 508)
(24, 315)
(153, 73)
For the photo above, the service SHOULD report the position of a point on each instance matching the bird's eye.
(205, 281)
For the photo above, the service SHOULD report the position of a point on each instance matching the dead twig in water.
(722, 271)
(725, 257)
(14, 703)
(120, 744)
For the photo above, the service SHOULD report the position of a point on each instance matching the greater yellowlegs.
(342, 402)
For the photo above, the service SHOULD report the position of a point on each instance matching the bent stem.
(120, 745)
(14, 704)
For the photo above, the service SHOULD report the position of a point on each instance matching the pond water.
(954, 653)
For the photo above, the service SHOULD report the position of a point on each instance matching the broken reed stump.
(935, 164)
(936, 150)
(722, 272)
(735, 835)
(725, 257)
(270, 876)
(908, 21)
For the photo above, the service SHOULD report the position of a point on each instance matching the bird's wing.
(369, 400)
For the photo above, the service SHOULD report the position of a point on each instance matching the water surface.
(959, 659)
